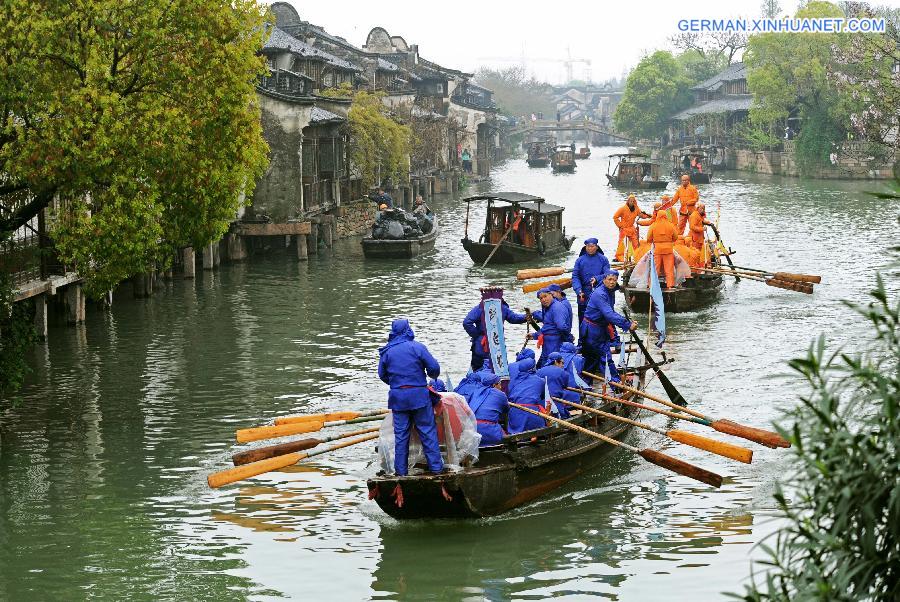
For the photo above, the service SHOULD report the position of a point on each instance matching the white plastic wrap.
(457, 434)
(640, 275)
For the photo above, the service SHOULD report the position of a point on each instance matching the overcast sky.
(465, 35)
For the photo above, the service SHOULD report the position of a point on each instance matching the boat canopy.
(525, 201)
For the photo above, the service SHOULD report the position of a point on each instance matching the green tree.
(699, 67)
(380, 145)
(137, 119)
(655, 90)
(841, 504)
(789, 72)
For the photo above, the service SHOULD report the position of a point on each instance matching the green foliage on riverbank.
(380, 145)
(138, 123)
(516, 93)
(655, 90)
(16, 336)
(841, 498)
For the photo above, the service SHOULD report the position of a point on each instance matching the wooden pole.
(675, 465)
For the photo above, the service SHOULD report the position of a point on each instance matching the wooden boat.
(696, 292)
(684, 161)
(524, 467)
(583, 153)
(563, 159)
(527, 227)
(538, 154)
(407, 248)
(630, 171)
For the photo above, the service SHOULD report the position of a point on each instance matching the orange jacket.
(662, 234)
(688, 197)
(695, 221)
(624, 217)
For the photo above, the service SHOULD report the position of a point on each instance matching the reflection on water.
(103, 463)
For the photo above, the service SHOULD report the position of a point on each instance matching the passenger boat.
(583, 153)
(522, 227)
(696, 292)
(687, 160)
(563, 159)
(630, 171)
(538, 154)
(522, 468)
(407, 248)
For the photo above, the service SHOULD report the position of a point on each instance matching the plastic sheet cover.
(640, 276)
(457, 434)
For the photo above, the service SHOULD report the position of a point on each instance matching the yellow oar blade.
(761, 436)
(727, 450)
(563, 282)
(239, 473)
(272, 432)
(317, 418)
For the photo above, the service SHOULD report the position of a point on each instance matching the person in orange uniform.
(662, 235)
(698, 222)
(689, 196)
(624, 219)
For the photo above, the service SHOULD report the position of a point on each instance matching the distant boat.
(583, 153)
(686, 160)
(630, 171)
(404, 248)
(563, 159)
(526, 228)
(538, 155)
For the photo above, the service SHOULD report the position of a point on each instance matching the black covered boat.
(525, 226)
(634, 171)
(524, 467)
(538, 154)
(405, 248)
(694, 162)
(697, 291)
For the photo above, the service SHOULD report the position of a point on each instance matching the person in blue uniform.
(598, 328)
(438, 385)
(571, 358)
(591, 262)
(472, 381)
(403, 364)
(560, 295)
(520, 357)
(491, 408)
(526, 389)
(557, 381)
(475, 328)
(552, 315)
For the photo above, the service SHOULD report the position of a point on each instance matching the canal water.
(104, 455)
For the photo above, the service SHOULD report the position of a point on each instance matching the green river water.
(104, 457)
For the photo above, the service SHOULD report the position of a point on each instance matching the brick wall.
(355, 217)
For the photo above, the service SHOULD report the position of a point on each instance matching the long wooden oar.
(673, 393)
(727, 450)
(536, 286)
(255, 455)
(791, 285)
(286, 430)
(529, 273)
(499, 242)
(785, 275)
(328, 417)
(651, 455)
(761, 436)
(727, 255)
(239, 473)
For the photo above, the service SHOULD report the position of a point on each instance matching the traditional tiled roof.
(732, 72)
(387, 65)
(281, 40)
(728, 104)
(320, 116)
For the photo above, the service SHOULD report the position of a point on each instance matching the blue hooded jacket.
(571, 357)
(514, 367)
(526, 389)
(598, 313)
(587, 267)
(474, 324)
(403, 364)
(472, 381)
(490, 407)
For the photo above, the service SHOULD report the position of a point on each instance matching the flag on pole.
(579, 382)
(548, 401)
(449, 383)
(493, 320)
(622, 357)
(658, 320)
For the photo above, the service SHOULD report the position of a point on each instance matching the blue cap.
(525, 353)
(489, 380)
(554, 288)
(438, 385)
(611, 273)
(543, 291)
(591, 241)
(568, 348)
(555, 356)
